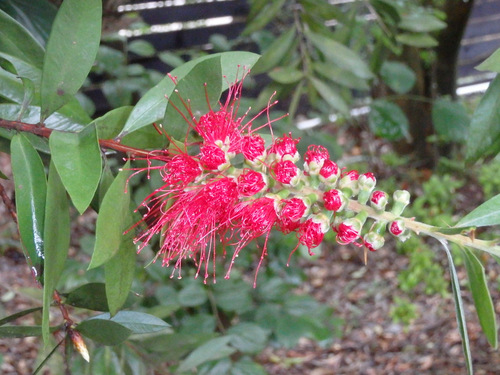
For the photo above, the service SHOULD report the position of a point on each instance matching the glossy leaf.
(484, 132)
(459, 309)
(24, 69)
(109, 125)
(15, 40)
(329, 95)
(421, 22)
(420, 40)
(31, 190)
(12, 87)
(276, 51)
(36, 16)
(18, 315)
(340, 76)
(209, 351)
(450, 120)
(119, 274)
(151, 107)
(71, 51)
(204, 80)
(91, 296)
(136, 322)
(388, 121)
(481, 295)
(492, 63)
(20, 331)
(248, 338)
(77, 157)
(486, 214)
(114, 218)
(398, 76)
(286, 75)
(340, 55)
(56, 236)
(105, 332)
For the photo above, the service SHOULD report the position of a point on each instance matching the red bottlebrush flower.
(286, 172)
(213, 157)
(397, 227)
(189, 221)
(329, 172)
(251, 182)
(378, 200)
(314, 158)
(348, 231)
(312, 231)
(217, 126)
(285, 148)
(292, 210)
(180, 168)
(334, 200)
(253, 148)
(253, 219)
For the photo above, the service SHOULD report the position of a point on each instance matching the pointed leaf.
(151, 107)
(484, 132)
(481, 295)
(450, 119)
(486, 214)
(71, 51)
(15, 40)
(119, 274)
(24, 69)
(91, 296)
(329, 95)
(492, 63)
(398, 76)
(109, 125)
(77, 157)
(286, 75)
(56, 236)
(205, 76)
(459, 309)
(248, 338)
(419, 40)
(105, 332)
(137, 322)
(340, 55)
(388, 121)
(211, 350)
(114, 218)
(17, 315)
(266, 14)
(276, 51)
(20, 331)
(31, 191)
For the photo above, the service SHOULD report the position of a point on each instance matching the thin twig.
(8, 203)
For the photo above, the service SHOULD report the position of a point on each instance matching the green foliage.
(488, 176)
(403, 311)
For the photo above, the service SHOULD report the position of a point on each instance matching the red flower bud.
(329, 172)
(292, 210)
(334, 200)
(397, 228)
(285, 148)
(286, 172)
(314, 158)
(313, 230)
(251, 182)
(253, 147)
(213, 157)
(378, 200)
(348, 231)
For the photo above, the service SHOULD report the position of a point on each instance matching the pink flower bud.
(251, 182)
(373, 241)
(312, 231)
(349, 181)
(180, 167)
(213, 157)
(215, 126)
(286, 172)
(253, 148)
(348, 231)
(314, 158)
(397, 228)
(334, 200)
(285, 148)
(329, 172)
(367, 181)
(378, 200)
(292, 210)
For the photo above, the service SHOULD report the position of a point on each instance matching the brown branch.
(8, 203)
(46, 132)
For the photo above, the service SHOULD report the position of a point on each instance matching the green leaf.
(192, 295)
(492, 63)
(119, 274)
(419, 40)
(151, 107)
(56, 235)
(246, 366)
(286, 75)
(341, 76)
(109, 125)
(214, 349)
(77, 157)
(17, 315)
(114, 218)
(265, 15)
(388, 121)
(340, 55)
(421, 22)
(15, 40)
(136, 322)
(331, 96)
(141, 48)
(12, 87)
(398, 76)
(276, 51)
(459, 309)
(106, 332)
(24, 69)
(36, 16)
(31, 190)
(486, 214)
(71, 51)
(450, 120)
(484, 132)
(233, 295)
(481, 295)
(205, 77)
(91, 296)
(248, 338)
(20, 331)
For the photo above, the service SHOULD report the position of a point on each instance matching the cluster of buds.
(231, 188)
